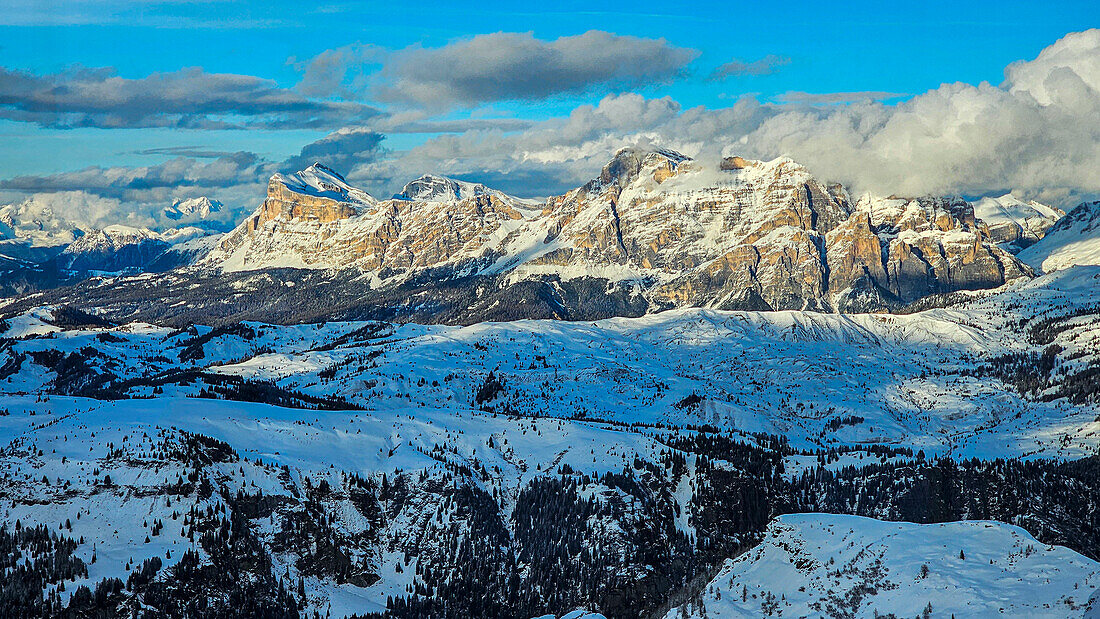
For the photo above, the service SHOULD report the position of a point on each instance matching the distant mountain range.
(655, 230)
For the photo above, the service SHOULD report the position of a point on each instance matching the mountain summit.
(192, 208)
(1074, 240)
(431, 188)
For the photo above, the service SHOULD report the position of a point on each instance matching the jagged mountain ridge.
(740, 233)
(117, 247)
(201, 211)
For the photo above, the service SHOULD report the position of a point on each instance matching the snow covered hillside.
(537, 467)
(1075, 239)
(847, 566)
(948, 381)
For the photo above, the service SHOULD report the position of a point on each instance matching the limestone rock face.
(937, 245)
(734, 233)
(854, 252)
(313, 219)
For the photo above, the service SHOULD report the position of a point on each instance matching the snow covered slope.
(966, 380)
(1015, 223)
(117, 247)
(847, 566)
(1075, 239)
(535, 467)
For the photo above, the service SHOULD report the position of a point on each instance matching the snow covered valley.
(692, 462)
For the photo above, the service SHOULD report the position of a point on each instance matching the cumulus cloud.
(517, 66)
(188, 98)
(1036, 135)
(339, 150)
(1061, 69)
(765, 66)
(58, 218)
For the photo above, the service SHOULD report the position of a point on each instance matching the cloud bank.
(1036, 134)
(186, 99)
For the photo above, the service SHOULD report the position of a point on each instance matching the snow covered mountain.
(729, 234)
(201, 211)
(1015, 223)
(117, 248)
(431, 188)
(847, 566)
(200, 208)
(36, 226)
(1075, 239)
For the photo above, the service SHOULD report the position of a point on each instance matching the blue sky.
(892, 51)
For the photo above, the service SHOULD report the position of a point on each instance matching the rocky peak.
(315, 194)
(198, 208)
(1085, 218)
(319, 181)
(628, 163)
(431, 188)
(734, 163)
(1074, 240)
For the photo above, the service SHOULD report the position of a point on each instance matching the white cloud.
(1059, 70)
(517, 66)
(58, 218)
(1037, 135)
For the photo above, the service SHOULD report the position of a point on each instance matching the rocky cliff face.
(734, 233)
(330, 225)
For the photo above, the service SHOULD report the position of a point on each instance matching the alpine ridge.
(729, 234)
